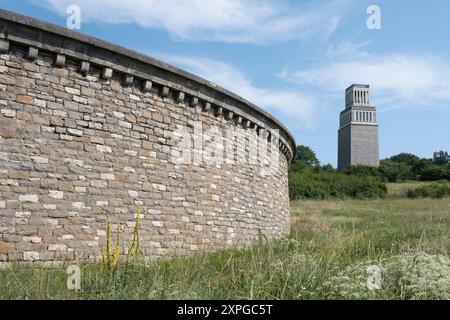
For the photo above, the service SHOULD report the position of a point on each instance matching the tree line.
(408, 167)
(311, 180)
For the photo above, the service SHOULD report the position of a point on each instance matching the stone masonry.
(86, 135)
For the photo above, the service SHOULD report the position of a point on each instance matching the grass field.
(398, 247)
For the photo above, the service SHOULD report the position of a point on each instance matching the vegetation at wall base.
(326, 256)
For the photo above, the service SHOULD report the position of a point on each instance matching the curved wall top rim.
(49, 37)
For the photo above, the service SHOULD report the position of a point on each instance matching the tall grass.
(324, 257)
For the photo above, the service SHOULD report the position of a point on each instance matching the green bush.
(393, 171)
(433, 172)
(362, 170)
(435, 190)
(308, 184)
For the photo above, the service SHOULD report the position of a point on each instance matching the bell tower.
(358, 130)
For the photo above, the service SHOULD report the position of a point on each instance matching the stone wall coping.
(46, 36)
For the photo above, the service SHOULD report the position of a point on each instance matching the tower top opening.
(357, 95)
(357, 85)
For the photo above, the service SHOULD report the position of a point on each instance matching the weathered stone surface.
(107, 73)
(84, 67)
(9, 133)
(147, 145)
(4, 45)
(133, 193)
(40, 160)
(60, 60)
(6, 247)
(32, 53)
(147, 85)
(107, 176)
(6, 79)
(82, 150)
(73, 90)
(57, 247)
(56, 194)
(18, 175)
(104, 149)
(75, 132)
(97, 140)
(33, 198)
(8, 113)
(31, 256)
(24, 99)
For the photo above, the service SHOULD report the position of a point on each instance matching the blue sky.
(295, 58)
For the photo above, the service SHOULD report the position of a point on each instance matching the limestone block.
(107, 73)
(193, 101)
(24, 99)
(164, 91)
(32, 53)
(32, 198)
(4, 45)
(84, 67)
(128, 79)
(147, 86)
(60, 60)
(180, 96)
(31, 256)
(207, 106)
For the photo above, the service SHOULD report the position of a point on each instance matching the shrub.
(404, 157)
(435, 190)
(395, 171)
(362, 170)
(329, 185)
(433, 172)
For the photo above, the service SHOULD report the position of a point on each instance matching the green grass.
(328, 249)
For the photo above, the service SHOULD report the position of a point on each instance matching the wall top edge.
(236, 100)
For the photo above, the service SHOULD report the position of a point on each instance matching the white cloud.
(298, 108)
(346, 47)
(242, 21)
(396, 80)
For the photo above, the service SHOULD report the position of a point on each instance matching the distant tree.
(307, 155)
(299, 166)
(404, 157)
(441, 157)
(433, 172)
(395, 171)
(403, 166)
(328, 168)
(419, 166)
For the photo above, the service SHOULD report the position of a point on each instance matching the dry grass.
(327, 238)
(400, 189)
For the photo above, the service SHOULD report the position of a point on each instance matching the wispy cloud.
(298, 108)
(396, 80)
(240, 21)
(346, 47)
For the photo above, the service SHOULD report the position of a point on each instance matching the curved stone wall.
(89, 131)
